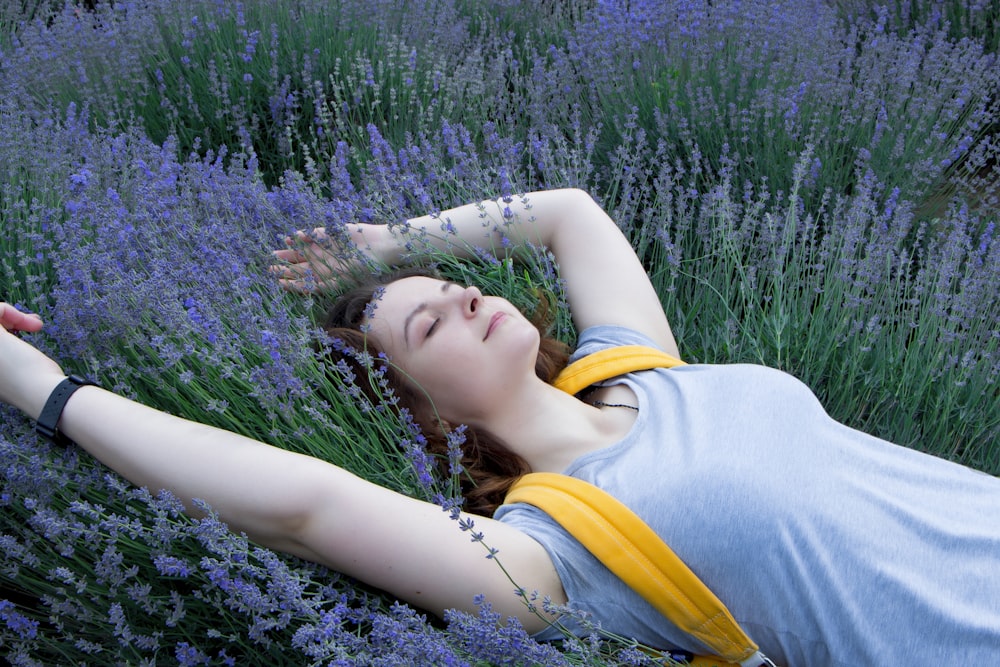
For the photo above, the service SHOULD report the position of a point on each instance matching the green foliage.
(823, 202)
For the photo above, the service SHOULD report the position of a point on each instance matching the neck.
(549, 428)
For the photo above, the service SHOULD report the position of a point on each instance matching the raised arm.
(605, 282)
(286, 501)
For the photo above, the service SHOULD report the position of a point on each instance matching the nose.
(472, 299)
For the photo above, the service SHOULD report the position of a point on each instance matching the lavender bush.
(811, 186)
(299, 87)
(979, 18)
(754, 83)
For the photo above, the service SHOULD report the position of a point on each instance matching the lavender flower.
(811, 185)
(22, 627)
(488, 637)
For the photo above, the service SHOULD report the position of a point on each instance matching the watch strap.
(46, 426)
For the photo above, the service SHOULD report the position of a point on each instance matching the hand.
(12, 319)
(316, 260)
(308, 263)
(27, 376)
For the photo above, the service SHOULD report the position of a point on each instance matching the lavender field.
(812, 185)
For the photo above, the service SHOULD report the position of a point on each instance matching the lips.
(494, 322)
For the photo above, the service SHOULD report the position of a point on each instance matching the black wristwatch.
(47, 421)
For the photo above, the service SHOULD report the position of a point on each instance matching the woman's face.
(466, 350)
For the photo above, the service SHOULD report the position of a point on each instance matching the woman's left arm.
(605, 281)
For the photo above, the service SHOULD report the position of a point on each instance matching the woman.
(829, 546)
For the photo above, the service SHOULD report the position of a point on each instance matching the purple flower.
(171, 566)
(22, 626)
(189, 656)
(489, 637)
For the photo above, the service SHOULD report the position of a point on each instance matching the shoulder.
(605, 336)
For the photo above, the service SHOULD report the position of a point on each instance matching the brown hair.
(490, 468)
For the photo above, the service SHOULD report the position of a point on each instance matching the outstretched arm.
(605, 281)
(283, 500)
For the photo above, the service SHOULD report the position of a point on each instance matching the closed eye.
(433, 326)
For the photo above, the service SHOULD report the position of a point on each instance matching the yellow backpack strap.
(623, 542)
(612, 362)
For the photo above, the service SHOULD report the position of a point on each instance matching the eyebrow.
(421, 307)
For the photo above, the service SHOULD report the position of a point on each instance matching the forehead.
(400, 294)
(396, 301)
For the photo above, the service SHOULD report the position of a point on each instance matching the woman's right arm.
(286, 501)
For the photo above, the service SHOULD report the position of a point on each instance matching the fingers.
(302, 237)
(292, 256)
(298, 278)
(307, 263)
(14, 320)
(317, 235)
(294, 274)
(302, 247)
(298, 286)
(290, 271)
